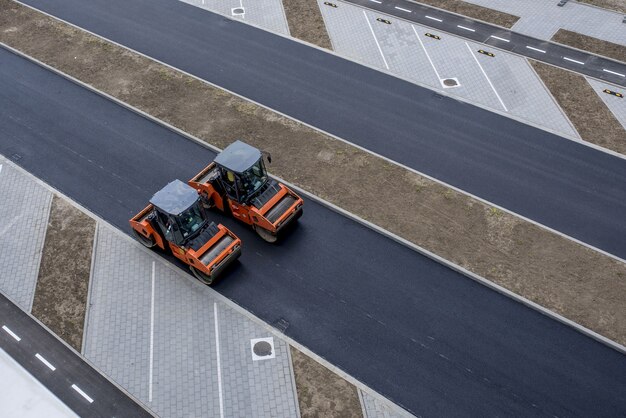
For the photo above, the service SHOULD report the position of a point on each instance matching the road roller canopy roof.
(238, 157)
(174, 198)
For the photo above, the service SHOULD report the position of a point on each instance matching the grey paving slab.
(541, 18)
(375, 407)
(267, 14)
(505, 83)
(522, 91)
(617, 105)
(186, 380)
(24, 209)
(350, 34)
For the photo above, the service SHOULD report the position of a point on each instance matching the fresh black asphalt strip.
(427, 337)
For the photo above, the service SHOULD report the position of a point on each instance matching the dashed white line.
(46, 362)
(500, 39)
(219, 366)
(404, 10)
(573, 60)
(151, 336)
(83, 394)
(463, 27)
(613, 72)
(376, 1)
(11, 333)
(433, 18)
(426, 52)
(375, 40)
(485, 74)
(536, 49)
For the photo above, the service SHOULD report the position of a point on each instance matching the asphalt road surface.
(66, 375)
(538, 49)
(556, 182)
(418, 332)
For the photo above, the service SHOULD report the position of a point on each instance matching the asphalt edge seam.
(586, 331)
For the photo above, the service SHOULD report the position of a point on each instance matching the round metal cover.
(262, 349)
(450, 82)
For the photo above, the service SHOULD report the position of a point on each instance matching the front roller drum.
(203, 277)
(147, 242)
(265, 234)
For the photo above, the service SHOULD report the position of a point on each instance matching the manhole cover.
(262, 349)
(238, 11)
(450, 82)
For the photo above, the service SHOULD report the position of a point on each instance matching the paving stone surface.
(505, 83)
(24, 209)
(186, 379)
(268, 14)
(374, 407)
(543, 18)
(617, 105)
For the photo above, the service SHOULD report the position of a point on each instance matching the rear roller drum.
(265, 234)
(147, 242)
(204, 278)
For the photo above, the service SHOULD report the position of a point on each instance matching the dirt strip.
(615, 5)
(61, 293)
(593, 45)
(322, 393)
(306, 22)
(474, 11)
(576, 97)
(579, 283)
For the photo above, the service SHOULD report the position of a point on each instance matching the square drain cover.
(262, 348)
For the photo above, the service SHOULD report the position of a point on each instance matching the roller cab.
(176, 220)
(237, 183)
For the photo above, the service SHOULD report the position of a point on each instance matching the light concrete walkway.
(543, 18)
(24, 209)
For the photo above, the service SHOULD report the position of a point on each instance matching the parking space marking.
(44, 361)
(11, 333)
(433, 18)
(375, 39)
(536, 49)
(151, 335)
(500, 39)
(426, 52)
(83, 394)
(573, 60)
(613, 72)
(463, 27)
(485, 74)
(404, 10)
(219, 365)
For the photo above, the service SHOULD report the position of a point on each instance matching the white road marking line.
(151, 335)
(573, 60)
(83, 394)
(11, 333)
(404, 10)
(376, 1)
(219, 366)
(433, 18)
(463, 27)
(46, 362)
(426, 52)
(500, 39)
(536, 49)
(485, 74)
(613, 72)
(375, 40)
(0, 168)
